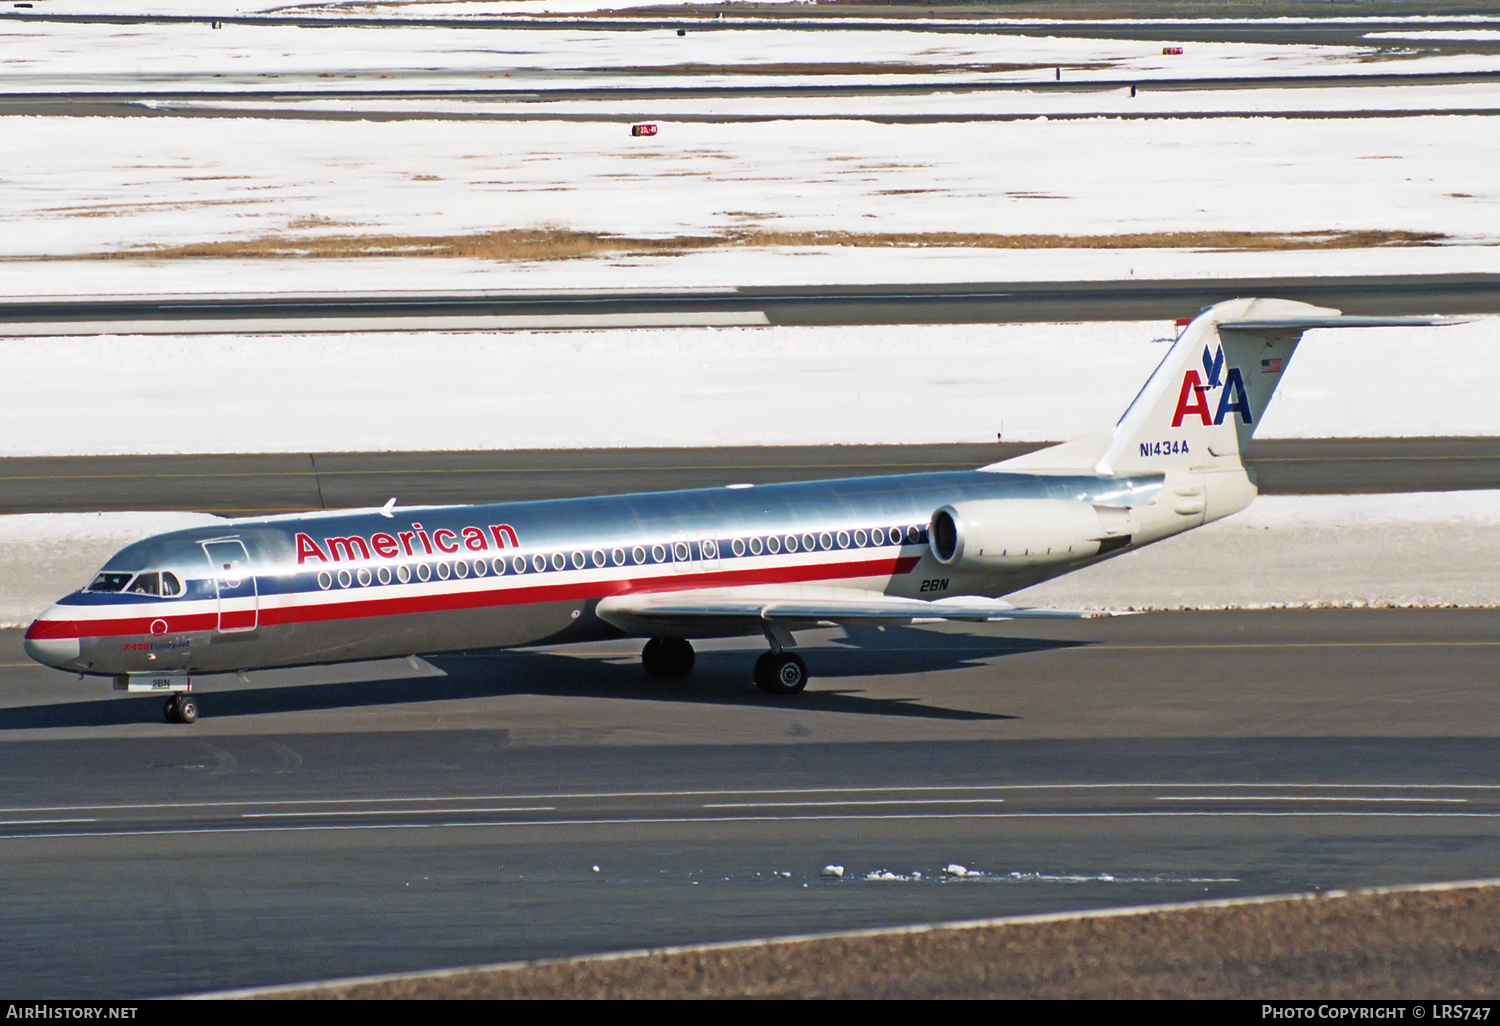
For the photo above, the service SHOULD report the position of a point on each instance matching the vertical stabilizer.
(1204, 401)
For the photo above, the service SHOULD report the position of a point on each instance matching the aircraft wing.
(703, 613)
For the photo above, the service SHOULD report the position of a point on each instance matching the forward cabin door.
(239, 602)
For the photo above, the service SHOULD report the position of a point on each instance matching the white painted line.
(318, 325)
(393, 812)
(42, 822)
(1340, 798)
(710, 793)
(714, 820)
(854, 801)
(272, 802)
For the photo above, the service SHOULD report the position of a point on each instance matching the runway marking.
(855, 801)
(391, 812)
(42, 822)
(1297, 798)
(711, 820)
(533, 797)
(712, 793)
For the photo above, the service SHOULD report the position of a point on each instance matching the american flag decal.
(1271, 366)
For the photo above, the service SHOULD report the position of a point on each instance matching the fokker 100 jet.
(670, 567)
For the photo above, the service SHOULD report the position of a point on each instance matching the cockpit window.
(149, 583)
(146, 584)
(110, 582)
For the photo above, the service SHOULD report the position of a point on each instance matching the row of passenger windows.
(639, 555)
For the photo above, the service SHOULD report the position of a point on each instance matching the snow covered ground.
(62, 56)
(1419, 549)
(77, 187)
(82, 187)
(694, 387)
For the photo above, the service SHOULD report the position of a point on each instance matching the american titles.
(416, 542)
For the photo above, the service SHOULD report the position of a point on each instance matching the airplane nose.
(52, 641)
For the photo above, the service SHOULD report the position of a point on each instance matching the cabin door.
(239, 602)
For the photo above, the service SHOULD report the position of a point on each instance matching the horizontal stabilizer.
(1336, 321)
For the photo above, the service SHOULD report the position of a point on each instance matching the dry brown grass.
(839, 68)
(544, 244)
(1341, 947)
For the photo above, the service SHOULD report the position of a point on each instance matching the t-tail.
(1199, 409)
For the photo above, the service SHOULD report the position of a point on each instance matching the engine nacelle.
(994, 534)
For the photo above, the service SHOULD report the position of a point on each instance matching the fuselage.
(334, 587)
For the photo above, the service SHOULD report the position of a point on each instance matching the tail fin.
(1205, 400)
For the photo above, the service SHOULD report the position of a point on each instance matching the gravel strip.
(1404, 944)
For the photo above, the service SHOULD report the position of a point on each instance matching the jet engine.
(996, 534)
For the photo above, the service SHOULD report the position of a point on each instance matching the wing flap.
(686, 613)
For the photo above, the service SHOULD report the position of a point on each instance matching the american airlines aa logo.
(1192, 401)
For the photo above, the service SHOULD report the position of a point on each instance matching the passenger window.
(146, 584)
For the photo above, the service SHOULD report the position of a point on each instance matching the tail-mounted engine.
(995, 534)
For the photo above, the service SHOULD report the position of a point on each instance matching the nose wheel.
(181, 709)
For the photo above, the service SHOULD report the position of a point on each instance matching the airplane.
(339, 586)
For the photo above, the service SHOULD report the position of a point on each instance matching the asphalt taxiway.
(258, 484)
(329, 822)
(895, 303)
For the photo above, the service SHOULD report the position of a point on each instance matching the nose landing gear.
(181, 709)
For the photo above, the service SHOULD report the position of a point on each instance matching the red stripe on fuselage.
(403, 605)
(41, 630)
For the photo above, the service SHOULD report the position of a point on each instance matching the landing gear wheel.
(780, 673)
(671, 658)
(181, 709)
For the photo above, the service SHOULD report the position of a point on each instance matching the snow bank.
(46, 555)
(1420, 549)
(694, 387)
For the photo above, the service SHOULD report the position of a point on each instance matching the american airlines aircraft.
(767, 560)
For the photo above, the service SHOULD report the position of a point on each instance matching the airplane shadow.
(718, 678)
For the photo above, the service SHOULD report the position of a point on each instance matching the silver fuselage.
(333, 587)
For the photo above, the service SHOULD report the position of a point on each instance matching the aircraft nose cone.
(52, 641)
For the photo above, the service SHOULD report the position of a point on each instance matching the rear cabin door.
(239, 602)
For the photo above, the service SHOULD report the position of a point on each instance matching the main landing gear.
(182, 709)
(671, 658)
(777, 672)
(780, 673)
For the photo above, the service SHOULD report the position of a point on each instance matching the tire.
(780, 673)
(670, 658)
(651, 657)
(170, 711)
(187, 710)
(762, 672)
